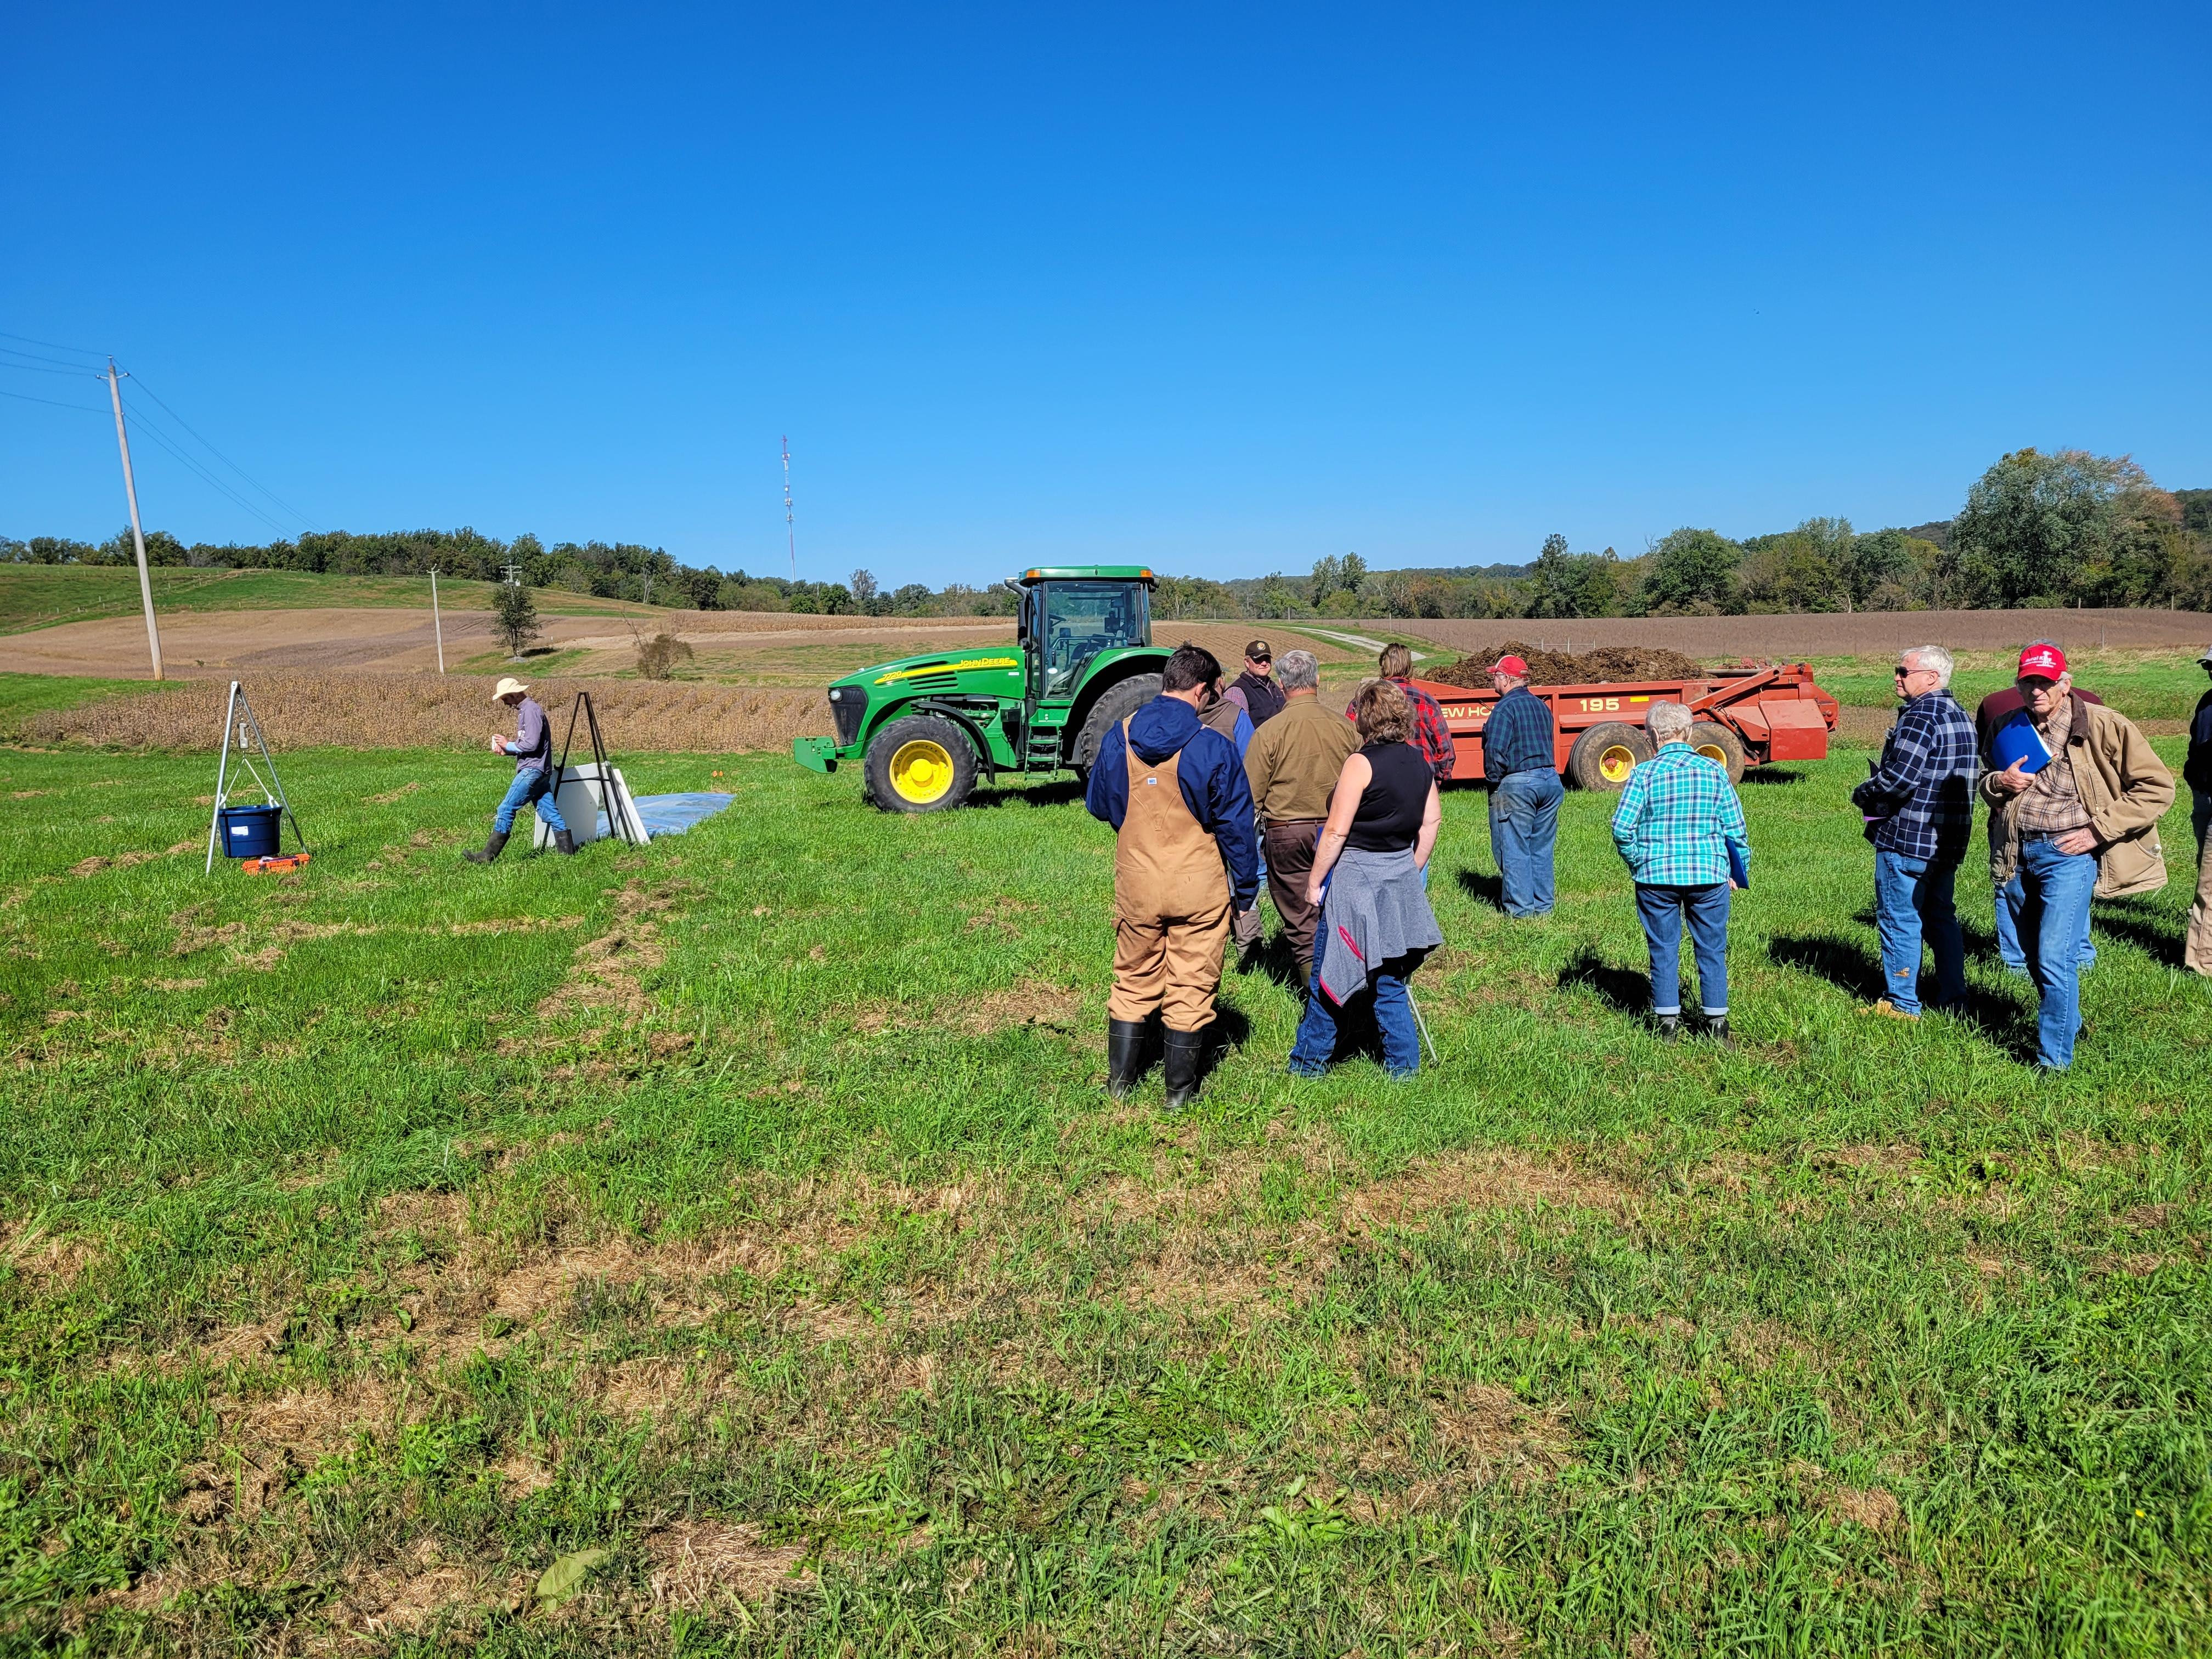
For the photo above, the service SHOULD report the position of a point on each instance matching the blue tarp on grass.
(671, 815)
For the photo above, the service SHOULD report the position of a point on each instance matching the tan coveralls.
(1172, 904)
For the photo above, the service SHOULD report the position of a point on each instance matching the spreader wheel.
(923, 764)
(1717, 744)
(1604, 756)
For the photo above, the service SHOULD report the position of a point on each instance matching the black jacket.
(2197, 770)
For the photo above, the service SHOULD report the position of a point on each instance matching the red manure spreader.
(1745, 717)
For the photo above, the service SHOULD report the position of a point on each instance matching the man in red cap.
(1991, 713)
(1521, 765)
(2074, 814)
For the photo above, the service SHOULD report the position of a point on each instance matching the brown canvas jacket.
(2126, 787)
(1294, 759)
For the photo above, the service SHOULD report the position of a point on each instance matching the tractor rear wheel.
(923, 764)
(1604, 756)
(1117, 705)
(1717, 744)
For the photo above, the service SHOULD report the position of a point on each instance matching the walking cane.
(1423, 1026)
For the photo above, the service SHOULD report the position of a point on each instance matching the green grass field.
(747, 1207)
(46, 595)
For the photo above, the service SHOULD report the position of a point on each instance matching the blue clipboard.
(2017, 740)
(1739, 867)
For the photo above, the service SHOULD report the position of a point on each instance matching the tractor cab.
(1069, 617)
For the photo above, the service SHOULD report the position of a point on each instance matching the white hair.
(1933, 657)
(1297, 671)
(1667, 722)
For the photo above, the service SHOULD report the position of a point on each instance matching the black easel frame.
(610, 791)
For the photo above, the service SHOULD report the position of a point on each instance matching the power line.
(138, 384)
(153, 431)
(51, 345)
(33, 368)
(74, 368)
(26, 396)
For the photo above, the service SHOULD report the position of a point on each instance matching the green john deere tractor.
(921, 727)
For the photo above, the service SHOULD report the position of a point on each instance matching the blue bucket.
(250, 832)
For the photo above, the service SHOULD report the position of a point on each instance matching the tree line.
(2062, 528)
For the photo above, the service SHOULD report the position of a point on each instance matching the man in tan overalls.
(1186, 863)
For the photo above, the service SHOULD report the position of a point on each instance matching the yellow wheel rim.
(921, 771)
(1616, 761)
(1715, 753)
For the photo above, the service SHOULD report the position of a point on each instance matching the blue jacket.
(1210, 776)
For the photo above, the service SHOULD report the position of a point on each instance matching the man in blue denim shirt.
(532, 749)
(1520, 762)
(1919, 804)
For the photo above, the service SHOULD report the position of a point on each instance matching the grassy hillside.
(43, 595)
(747, 1207)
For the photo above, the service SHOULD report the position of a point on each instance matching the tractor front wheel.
(1604, 756)
(1119, 702)
(923, 764)
(1717, 744)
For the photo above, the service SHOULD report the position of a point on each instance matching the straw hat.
(507, 687)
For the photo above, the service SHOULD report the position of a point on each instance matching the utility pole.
(436, 623)
(130, 491)
(790, 535)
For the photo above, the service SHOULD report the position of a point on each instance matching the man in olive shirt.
(1292, 765)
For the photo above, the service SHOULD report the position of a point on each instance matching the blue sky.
(1221, 289)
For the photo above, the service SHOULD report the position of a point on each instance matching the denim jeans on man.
(1394, 1017)
(2010, 950)
(1524, 824)
(1662, 909)
(2054, 918)
(1913, 900)
(532, 783)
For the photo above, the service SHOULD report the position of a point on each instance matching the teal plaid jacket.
(1677, 820)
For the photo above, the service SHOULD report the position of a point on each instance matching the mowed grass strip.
(747, 1207)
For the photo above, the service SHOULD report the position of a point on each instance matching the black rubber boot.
(488, 851)
(1668, 1026)
(565, 842)
(1185, 1051)
(1125, 1056)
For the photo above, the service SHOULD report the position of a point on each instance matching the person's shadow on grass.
(1483, 889)
(1623, 988)
(1857, 972)
(2158, 931)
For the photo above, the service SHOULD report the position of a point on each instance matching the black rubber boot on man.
(1125, 1056)
(1668, 1026)
(488, 851)
(565, 842)
(1179, 1065)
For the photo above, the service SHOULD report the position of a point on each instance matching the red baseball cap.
(2043, 662)
(1511, 666)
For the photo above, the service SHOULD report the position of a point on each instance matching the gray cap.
(2207, 658)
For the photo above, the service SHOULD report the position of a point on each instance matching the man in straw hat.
(532, 749)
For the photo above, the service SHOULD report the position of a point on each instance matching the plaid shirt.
(1677, 820)
(1922, 792)
(1430, 735)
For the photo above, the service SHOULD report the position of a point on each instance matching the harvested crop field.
(434, 711)
(1711, 639)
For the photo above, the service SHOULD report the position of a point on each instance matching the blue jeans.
(1524, 822)
(1913, 899)
(2010, 950)
(1662, 909)
(1394, 1017)
(532, 783)
(2053, 917)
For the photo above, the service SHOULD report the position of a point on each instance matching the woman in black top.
(1377, 926)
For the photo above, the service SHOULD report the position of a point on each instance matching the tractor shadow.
(1483, 889)
(1058, 793)
(1622, 988)
(1857, 972)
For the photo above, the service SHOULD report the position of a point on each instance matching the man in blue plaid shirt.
(1680, 828)
(1919, 808)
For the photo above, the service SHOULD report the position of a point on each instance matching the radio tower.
(790, 535)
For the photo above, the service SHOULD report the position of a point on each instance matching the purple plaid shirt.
(1922, 792)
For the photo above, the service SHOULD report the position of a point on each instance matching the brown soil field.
(1866, 634)
(301, 710)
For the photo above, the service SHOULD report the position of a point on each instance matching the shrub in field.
(659, 655)
(514, 613)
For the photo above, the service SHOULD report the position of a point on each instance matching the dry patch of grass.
(697, 1562)
(1497, 1179)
